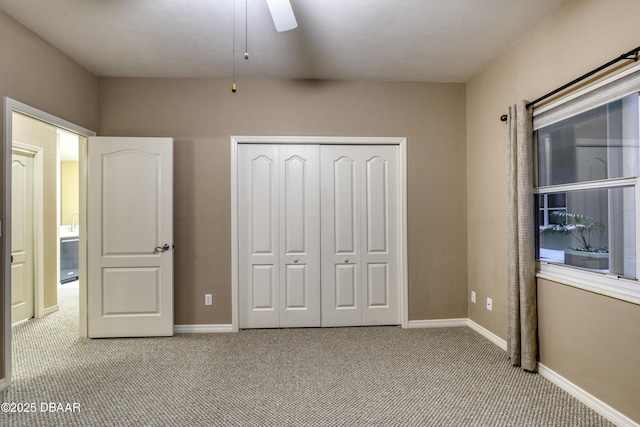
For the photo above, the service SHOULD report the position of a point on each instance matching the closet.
(318, 235)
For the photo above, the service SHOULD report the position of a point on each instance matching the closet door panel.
(296, 295)
(377, 285)
(299, 235)
(340, 170)
(295, 196)
(376, 206)
(345, 287)
(345, 205)
(258, 236)
(380, 270)
(262, 288)
(263, 206)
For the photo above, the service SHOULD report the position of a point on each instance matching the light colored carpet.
(339, 376)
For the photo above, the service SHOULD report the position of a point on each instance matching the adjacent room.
(298, 212)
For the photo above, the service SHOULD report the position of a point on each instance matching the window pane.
(598, 144)
(557, 217)
(557, 200)
(597, 231)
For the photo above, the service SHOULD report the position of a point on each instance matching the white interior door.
(22, 235)
(130, 237)
(278, 236)
(360, 232)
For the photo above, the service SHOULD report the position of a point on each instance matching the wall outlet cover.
(208, 299)
(473, 297)
(489, 304)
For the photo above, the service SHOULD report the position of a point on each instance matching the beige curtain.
(522, 343)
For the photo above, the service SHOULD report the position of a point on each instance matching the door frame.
(38, 224)
(11, 106)
(320, 140)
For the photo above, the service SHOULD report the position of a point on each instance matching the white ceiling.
(408, 40)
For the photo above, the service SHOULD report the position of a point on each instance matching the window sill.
(608, 285)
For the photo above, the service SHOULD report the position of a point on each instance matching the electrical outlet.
(208, 299)
(473, 297)
(489, 304)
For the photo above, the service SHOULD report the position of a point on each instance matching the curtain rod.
(632, 54)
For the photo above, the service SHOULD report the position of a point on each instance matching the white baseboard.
(202, 329)
(51, 309)
(591, 401)
(20, 322)
(487, 334)
(438, 323)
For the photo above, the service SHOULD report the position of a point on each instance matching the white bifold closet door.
(360, 272)
(318, 235)
(278, 236)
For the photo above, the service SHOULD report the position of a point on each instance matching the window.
(550, 208)
(587, 185)
(596, 231)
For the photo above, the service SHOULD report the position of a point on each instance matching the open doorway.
(37, 134)
(37, 189)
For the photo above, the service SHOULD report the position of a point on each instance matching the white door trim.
(10, 106)
(321, 140)
(38, 224)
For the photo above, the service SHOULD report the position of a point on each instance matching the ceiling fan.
(282, 15)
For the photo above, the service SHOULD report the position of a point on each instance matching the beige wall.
(201, 114)
(69, 191)
(580, 36)
(39, 134)
(37, 74)
(593, 341)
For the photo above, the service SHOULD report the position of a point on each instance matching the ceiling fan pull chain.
(246, 30)
(233, 37)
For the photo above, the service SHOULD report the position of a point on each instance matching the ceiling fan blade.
(282, 15)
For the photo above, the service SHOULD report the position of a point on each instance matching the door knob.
(346, 260)
(162, 248)
(295, 260)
